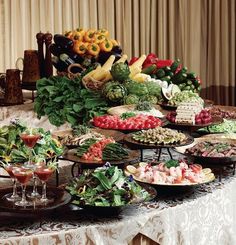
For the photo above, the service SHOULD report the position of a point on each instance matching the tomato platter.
(137, 122)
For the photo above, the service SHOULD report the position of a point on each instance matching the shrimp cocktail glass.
(9, 168)
(23, 175)
(30, 137)
(44, 173)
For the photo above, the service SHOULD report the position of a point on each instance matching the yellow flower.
(7, 158)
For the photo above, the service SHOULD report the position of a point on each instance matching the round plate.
(60, 196)
(205, 131)
(116, 135)
(138, 145)
(208, 161)
(119, 110)
(209, 178)
(191, 128)
(70, 155)
(127, 131)
(220, 111)
(103, 211)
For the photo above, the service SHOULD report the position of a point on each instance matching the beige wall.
(199, 32)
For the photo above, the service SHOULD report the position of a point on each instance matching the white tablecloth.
(204, 217)
(200, 218)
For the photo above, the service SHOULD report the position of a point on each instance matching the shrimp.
(179, 176)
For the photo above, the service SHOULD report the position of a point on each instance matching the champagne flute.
(23, 175)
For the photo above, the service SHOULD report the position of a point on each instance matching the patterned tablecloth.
(203, 216)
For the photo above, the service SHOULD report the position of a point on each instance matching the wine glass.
(14, 196)
(23, 175)
(30, 139)
(44, 173)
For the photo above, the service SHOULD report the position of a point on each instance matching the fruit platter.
(208, 150)
(170, 173)
(107, 188)
(157, 138)
(128, 121)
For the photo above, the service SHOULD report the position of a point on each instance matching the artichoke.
(120, 71)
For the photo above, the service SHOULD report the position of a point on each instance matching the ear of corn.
(107, 66)
(90, 74)
(139, 62)
(134, 70)
(122, 59)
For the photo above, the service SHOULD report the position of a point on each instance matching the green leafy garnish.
(13, 149)
(126, 115)
(172, 163)
(144, 106)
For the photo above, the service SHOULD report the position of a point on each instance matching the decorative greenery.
(65, 100)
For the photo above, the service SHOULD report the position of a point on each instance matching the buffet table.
(206, 215)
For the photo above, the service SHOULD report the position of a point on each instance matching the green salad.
(227, 126)
(13, 149)
(106, 187)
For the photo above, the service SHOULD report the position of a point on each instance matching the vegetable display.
(212, 149)
(136, 122)
(159, 136)
(65, 100)
(170, 71)
(84, 47)
(171, 172)
(106, 187)
(95, 147)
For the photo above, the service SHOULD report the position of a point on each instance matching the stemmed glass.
(23, 175)
(9, 168)
(30, 139)
(44, 173)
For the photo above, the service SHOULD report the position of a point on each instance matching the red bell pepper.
(133, 60)
(163, 63)
(151, 59)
